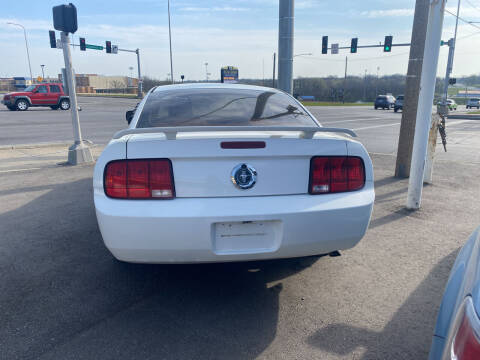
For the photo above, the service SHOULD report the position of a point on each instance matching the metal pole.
(77, 153)
(376, 83)
(43, 73)
(451, 52)
(424, 111)
(365, 87)
(26, 46)
(170, 39)
(285, 45)
(345, 79)
(140, 82)
(206, 71)
(274, 62)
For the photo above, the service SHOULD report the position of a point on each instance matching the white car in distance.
(217, 172)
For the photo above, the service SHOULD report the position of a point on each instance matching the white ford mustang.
(216, 172)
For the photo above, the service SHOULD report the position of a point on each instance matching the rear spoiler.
(171, 132)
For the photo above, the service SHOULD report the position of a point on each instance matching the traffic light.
(353, 45)
(53, 40)
(325, 45)
(452, 81)
(108, 47)
(387, 46)
(83, 46)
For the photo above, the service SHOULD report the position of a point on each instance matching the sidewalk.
(35, 157)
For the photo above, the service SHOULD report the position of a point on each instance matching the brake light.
(465, 344)
(333, 174)
(139, 179)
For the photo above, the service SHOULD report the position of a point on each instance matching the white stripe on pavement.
(18, 170)
(374, 127)
(359, 119)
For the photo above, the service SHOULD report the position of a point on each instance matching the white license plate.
(246, 237)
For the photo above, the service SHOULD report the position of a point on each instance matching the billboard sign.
(229, 75)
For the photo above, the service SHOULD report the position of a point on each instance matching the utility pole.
(345, 79)
(365, 86)
(285, 45)
(376, 83)
(424, 111)
(412, 89)
(451, 53)
(274, 62)
(43, 73)
(206, 71)
(170, 40)
(78, 153)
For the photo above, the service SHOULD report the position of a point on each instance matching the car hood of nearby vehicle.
(475, 268)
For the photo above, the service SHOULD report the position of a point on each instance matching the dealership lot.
(64, 296)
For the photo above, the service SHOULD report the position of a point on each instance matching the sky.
(241, 33)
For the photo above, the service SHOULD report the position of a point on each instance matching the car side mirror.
(129, 116)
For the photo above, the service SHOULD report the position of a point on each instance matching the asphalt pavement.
(63, 296)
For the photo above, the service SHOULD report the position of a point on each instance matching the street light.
(26, 45)
(170, 40)
(43, 74)
(206, 71)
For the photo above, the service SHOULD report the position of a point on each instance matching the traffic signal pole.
(425, 101)
(78, 153)
(285, 45)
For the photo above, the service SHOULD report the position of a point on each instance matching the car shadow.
(404, 336)
(62, 294)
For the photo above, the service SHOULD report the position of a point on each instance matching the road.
(63, 296)
(102, 117)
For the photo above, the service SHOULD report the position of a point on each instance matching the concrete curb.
(464, 117)
(42, 145)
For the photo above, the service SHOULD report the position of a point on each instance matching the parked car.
(398, 103)
(452, 105)
(225, 172)
(473, 103)
(384, 102)
(457, 332)
(51, 95)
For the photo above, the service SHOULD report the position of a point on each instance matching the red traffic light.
(83, 45)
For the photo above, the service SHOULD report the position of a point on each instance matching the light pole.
(206, 72)
(170, 39)
(26, 45)
(376, 83)
(131, 71)
(43, 74)
(365, 87)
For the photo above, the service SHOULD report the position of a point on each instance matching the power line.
(462, 19)
(472, 5)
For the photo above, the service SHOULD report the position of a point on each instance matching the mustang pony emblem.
(244, 176)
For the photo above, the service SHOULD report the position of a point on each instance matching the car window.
(400, 97)
(221, 107)
(42, 89)
(474, 99)
(29, 88)
(381, 97)
(54, 88)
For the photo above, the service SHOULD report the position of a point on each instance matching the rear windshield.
(221, 107)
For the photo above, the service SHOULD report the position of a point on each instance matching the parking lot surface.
(63, 296)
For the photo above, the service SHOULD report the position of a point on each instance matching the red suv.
(37, 95)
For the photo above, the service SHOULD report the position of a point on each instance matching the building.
(94, 83)
(7, 84)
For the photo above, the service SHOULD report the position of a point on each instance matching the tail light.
(464, 344)
(333, 174)
(139, 179)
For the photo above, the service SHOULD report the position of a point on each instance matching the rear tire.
(376, 108)
(395, 109)
(21, 105)
(64, 104)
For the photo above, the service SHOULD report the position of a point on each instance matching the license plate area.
(246, 237)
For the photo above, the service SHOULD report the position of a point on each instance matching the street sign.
(39, 79)
(94, 47)
(334, 48)
(114, 49)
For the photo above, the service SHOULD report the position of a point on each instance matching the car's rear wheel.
(376, 108)
(395, 109)
(65, 104)
(11, 108)
(21, 105)
(54, 107)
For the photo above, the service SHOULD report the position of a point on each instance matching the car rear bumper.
(186, 230)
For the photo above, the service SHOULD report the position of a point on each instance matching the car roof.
(214, 86)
